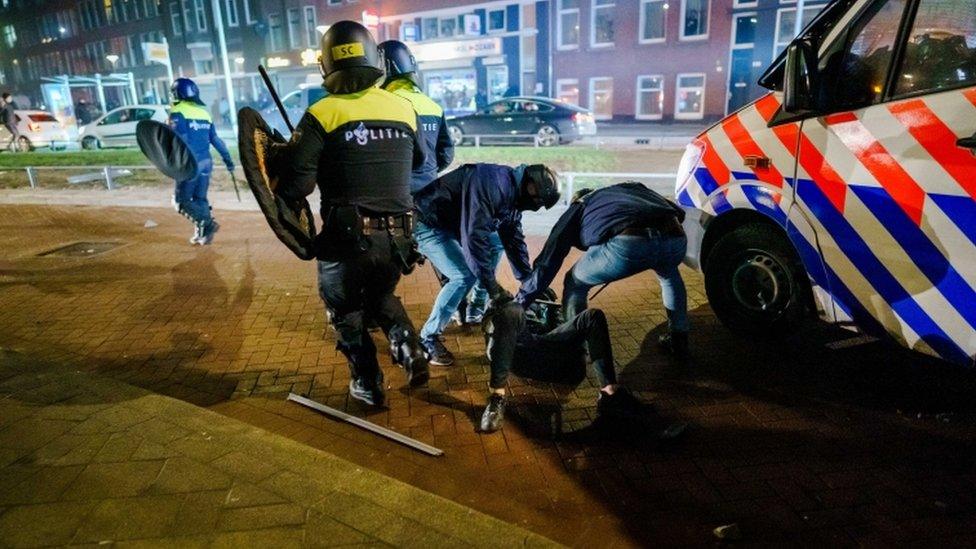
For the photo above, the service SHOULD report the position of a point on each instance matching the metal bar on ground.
(363, 424)
(31, 177)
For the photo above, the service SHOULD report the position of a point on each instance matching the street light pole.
(222, 41)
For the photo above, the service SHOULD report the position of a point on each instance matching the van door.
(892, 192)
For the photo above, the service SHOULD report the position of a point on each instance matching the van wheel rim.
(760, 284)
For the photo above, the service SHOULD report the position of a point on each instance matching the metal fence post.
(535, 141)
(570, 183)
(477, 141)
(31, 177)
(107, 170)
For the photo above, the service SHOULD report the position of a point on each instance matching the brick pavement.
(794, 441)
(87, 460)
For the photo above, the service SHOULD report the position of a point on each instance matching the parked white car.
(37, 129)
(117, 128)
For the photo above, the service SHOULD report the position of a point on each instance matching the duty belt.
(667, 227)
(389, 223)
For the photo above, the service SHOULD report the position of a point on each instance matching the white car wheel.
(90, 143)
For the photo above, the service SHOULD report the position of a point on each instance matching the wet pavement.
(821, 438)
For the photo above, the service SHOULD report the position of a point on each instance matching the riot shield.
(291, 221)
(166, 150)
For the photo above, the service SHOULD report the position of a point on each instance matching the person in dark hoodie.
(624, 229)
(457, 216)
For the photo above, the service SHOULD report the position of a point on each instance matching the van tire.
(755, 282)
(91, 143)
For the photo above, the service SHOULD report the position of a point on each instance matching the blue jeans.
(445, 253)
(626, 255)
(191, 195)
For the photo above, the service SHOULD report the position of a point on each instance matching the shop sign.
(278, 62)
(461, 49)
(156, 51)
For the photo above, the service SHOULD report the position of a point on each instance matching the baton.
(233, 180)
(274, 95)
(596, 293)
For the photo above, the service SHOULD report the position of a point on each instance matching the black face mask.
(538, 188)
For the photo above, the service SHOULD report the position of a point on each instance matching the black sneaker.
(621, 404)
(491, 419)
(370, 395)
(411, 358)
(437, 353)
(208, 232)
(674, 344)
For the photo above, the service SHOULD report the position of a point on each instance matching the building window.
(601, 97)
(231, 6)
(9, 35)
(248, 18)
(430, 28)
(786, 25)
(744, 30)
(650, 97)
(294, 30)
(276, 34)
(568, 24)
(694, 19)
(448, 27)
(496, 20)
(311, 36)
(335, 2)
(601, 23)
(690, 98)
(174, 17)
(201, 15)
(203, 67)
(653, 21)
(187, 21)
(150, 8)
(567, 90)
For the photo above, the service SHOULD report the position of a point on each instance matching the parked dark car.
(551, 121)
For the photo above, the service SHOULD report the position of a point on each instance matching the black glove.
(549, 295)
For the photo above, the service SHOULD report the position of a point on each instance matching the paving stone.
(244, 494)
(181, 475)
(113, 480)
(120, 519)
(43, 524)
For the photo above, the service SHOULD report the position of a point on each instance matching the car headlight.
(689, 163)
(81, 130)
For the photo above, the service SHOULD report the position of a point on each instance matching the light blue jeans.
(445, 253)
(626, 255)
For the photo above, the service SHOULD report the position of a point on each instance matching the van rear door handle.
(967, 142)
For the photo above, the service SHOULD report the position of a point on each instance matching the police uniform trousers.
(361, 284)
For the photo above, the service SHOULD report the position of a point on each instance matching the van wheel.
(457, 136)
(24, 145)
(755, 282)
(90, 143)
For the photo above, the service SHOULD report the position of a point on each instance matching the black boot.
(407, 352)
(674, 344)
(370, 393)
(491, 419)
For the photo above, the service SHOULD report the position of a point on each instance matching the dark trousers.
(362, 284)
(191, 195)
(14, 136)
(512, 347)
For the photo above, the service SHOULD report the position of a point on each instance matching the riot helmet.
(350, 60)
(184, 89)
(400, 63)
(538, 188)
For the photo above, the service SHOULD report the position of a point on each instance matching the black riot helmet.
(400, 63)
(350, 61)
(539, 188)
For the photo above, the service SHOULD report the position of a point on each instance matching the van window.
(858, 71)
(941, 49)
(41, 117)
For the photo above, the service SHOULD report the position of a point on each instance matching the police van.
(850, 188)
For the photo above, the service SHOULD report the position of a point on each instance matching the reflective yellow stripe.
(372, 104)
(191, 111)
(425, 106)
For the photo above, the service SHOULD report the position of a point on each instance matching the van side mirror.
(800, 79)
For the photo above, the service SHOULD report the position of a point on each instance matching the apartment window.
(496, 20)
(201, 15)
(690, 98)
(744, 30)
(150, 8)
(694, 19)
(187, 22)
(650, 97)
(786, 25)
(567, 90)
(203, 67)
(335, 2)
(294, 28)
(276, 34)
(448, 27)
(430, 28)
(601, 97)
(231, 9)
(248, 18)
(653, 21)
(311, 38)
(568, 24)
(9, 35)
(601, 23)
(174, 18)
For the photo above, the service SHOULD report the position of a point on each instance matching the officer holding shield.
(191, 121)
(359, 145)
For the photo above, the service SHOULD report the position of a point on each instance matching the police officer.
(191, 121)
(625, 229)
(458, 217)
(401, 80)
(359, 145)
